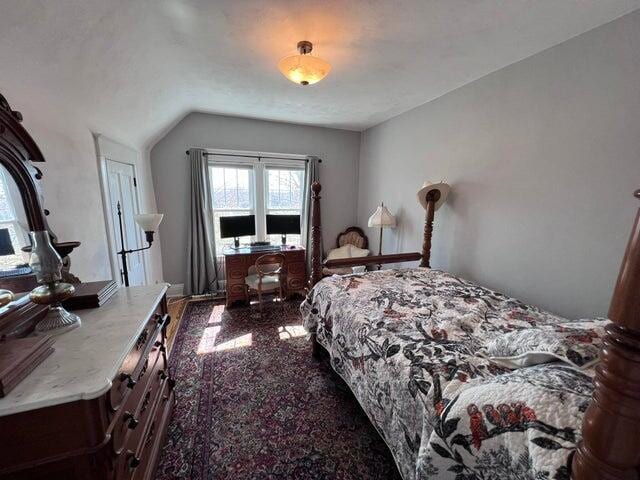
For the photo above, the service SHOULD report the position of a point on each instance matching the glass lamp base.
(57, 320)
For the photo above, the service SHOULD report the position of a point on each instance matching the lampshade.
(382, 217)
(148, 221)
(303, 68)
(427, 187)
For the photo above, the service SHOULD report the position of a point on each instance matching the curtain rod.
(206, 154)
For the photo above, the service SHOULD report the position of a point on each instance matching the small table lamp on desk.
(382, 218)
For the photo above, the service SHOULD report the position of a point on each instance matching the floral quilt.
(405, 341)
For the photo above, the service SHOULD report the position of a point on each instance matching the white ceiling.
(132, 68)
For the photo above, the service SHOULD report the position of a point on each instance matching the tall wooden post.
(316, 235)
(611, 426)
(316, 252)
(432, 197)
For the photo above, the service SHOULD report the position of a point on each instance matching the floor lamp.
(431, 196)
(381, 218)
(149, 223)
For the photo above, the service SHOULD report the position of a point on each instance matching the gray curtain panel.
(312, 174)
(201, 254)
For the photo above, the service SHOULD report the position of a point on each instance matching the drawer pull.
(163, 320)
(162, 374)
(130, 381)
(132, 421)
(142, 339)
(143, 370)
(145, 402)
(134, 462)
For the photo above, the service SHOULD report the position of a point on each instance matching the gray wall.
(338, 149)
(542, 156)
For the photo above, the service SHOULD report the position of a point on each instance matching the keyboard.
(264, 248)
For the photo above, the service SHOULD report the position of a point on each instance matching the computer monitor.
(283, 224)
(237, 226)
(6, 247)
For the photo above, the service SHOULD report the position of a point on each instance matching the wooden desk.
(238, 261)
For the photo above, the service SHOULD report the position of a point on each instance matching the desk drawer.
(296, 269)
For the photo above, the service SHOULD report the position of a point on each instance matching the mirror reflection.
(14, 228)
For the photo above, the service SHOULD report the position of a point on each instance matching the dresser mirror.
(21, 210)
(14, 228)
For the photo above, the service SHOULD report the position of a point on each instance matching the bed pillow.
(338, 253)
(575, 343)
(358, 252)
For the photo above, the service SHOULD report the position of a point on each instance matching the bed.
(423, 353)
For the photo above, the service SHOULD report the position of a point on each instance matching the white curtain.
(201, 254)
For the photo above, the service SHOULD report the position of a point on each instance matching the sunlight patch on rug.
(291, 331)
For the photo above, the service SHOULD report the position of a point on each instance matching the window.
(283, 188)
(232, 189)
(247, 186)
(9, 220)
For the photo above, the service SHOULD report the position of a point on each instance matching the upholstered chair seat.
(266, 276)
(268, 282)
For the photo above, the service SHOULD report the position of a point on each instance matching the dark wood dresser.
(99, 406)
(238, 261)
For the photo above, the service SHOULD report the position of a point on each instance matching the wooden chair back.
(269, 264)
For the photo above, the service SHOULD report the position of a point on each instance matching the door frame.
(109, 224)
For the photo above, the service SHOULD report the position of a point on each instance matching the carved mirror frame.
(18, 154)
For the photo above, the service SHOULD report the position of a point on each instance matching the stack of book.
(91, 295)
(19, 357)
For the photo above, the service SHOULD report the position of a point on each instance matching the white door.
(121, 183)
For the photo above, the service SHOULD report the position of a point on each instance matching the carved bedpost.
(432, 197)
(316, 253)
(611, 426)
(316, 235)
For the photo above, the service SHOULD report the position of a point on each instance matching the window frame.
(259, 162)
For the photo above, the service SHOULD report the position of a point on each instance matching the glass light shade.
(304, 69)
(148, 222)
(44, 261)
(382, 217)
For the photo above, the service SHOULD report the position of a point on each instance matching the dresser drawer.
(132, 415)
(133, 366)
(141, 451)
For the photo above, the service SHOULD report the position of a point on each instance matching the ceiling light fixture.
(303, 68)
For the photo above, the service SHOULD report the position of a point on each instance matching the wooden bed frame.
(611, 426)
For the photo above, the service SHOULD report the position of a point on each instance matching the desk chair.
(266, 276)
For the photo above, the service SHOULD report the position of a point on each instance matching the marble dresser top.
(86, 359)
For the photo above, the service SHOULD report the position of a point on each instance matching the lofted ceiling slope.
(133, 68)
